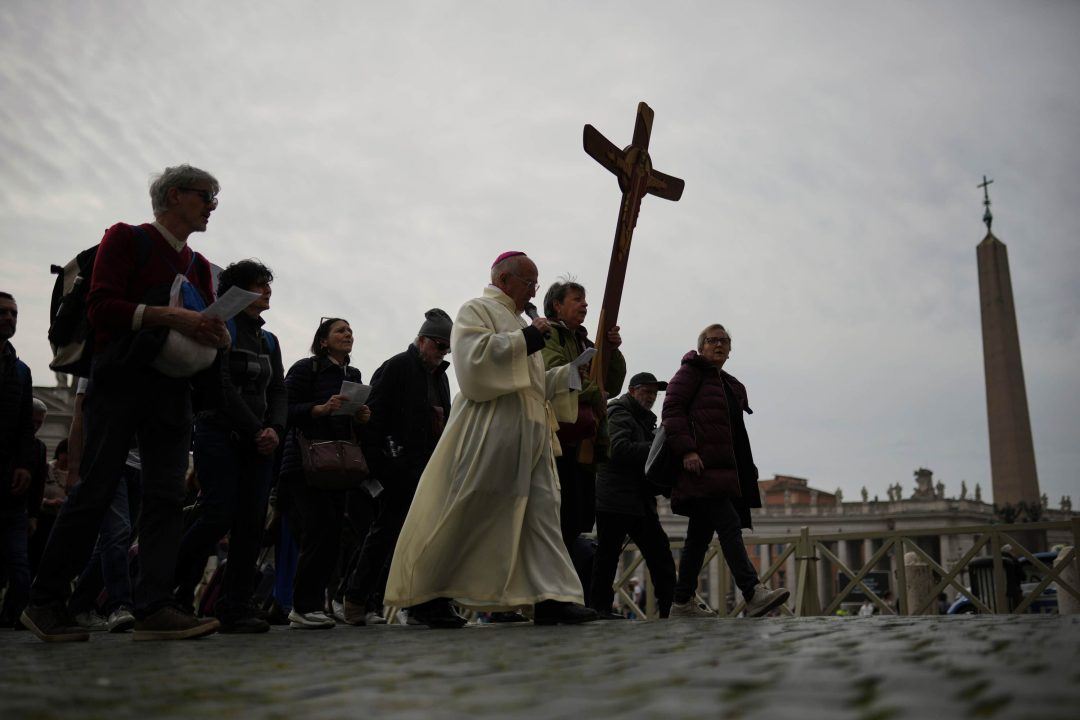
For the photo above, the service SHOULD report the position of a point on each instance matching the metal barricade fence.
(990, 580)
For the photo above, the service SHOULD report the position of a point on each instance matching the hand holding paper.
(356, 394)
(577, 364)
(231, 303)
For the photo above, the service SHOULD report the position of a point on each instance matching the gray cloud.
(378, 157)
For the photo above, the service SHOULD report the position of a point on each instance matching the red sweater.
(119, 283)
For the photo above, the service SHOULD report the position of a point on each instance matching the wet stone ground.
(862, 668)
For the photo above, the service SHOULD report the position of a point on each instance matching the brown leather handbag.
(332, 464)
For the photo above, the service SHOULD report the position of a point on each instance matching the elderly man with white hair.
(128, 396)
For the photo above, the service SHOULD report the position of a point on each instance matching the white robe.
(483, 528)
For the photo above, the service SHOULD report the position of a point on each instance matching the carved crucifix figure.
(633, 167)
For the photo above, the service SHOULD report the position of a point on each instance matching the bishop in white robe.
(483, 528)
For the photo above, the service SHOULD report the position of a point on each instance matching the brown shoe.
(172, 623)
(354, 613)
(53, 623)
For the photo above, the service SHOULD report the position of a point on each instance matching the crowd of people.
(401, 498)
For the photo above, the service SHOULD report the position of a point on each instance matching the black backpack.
(70, 334)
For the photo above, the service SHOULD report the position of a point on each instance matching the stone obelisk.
(1012, 452)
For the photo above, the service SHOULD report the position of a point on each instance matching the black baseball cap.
(646, 378)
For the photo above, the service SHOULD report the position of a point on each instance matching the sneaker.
(90, 621)
(172, 623)
(763, 600)
(374, 618)
(691, 609)
(317, 620)
(337, 611)
(53, 623)
(405, 618)
(353, 613)
(120, 620)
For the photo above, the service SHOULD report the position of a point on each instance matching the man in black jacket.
(625, 505)
(16, 460)
(410, 403)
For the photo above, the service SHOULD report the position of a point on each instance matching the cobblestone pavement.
(862, 668)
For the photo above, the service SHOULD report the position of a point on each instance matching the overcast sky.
(377, 156)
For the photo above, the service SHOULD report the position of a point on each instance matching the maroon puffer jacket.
(696, 419)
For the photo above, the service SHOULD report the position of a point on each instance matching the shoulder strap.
(270, 340)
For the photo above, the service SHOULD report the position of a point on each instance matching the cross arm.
(603, 151)
(664, 186)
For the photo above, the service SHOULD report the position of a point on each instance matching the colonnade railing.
(993, 541)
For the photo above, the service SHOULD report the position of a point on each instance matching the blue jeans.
(286, 554)
(109, 562)
(235, 488)
(15, 561)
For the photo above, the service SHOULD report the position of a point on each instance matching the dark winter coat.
(252, 382)
(310, 382)
(703, 413)
(16, 423)
(404, 395)
(620, 482)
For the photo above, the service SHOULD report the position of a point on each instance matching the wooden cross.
(633, 168)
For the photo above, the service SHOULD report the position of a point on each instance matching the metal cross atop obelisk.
(988, 218)
(633, 167)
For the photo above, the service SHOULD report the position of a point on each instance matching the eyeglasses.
(533, 284)
(208, 197)
(717, 341)
(442, 345)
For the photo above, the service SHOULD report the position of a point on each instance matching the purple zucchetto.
(506, 255)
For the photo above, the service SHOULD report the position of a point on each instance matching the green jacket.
(563, 345)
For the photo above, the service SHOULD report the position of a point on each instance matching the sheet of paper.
(231, 303)
(585, 356)
(357, 393)
(373, 487)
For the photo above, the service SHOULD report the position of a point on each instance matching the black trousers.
(317, 516)
(369, 574)
(721, 517)
(649, 536)
(360, 512)
(157, 410)
(577, 509)
(235, 481)
(577, 512)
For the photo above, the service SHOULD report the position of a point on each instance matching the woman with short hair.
(717, 483)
